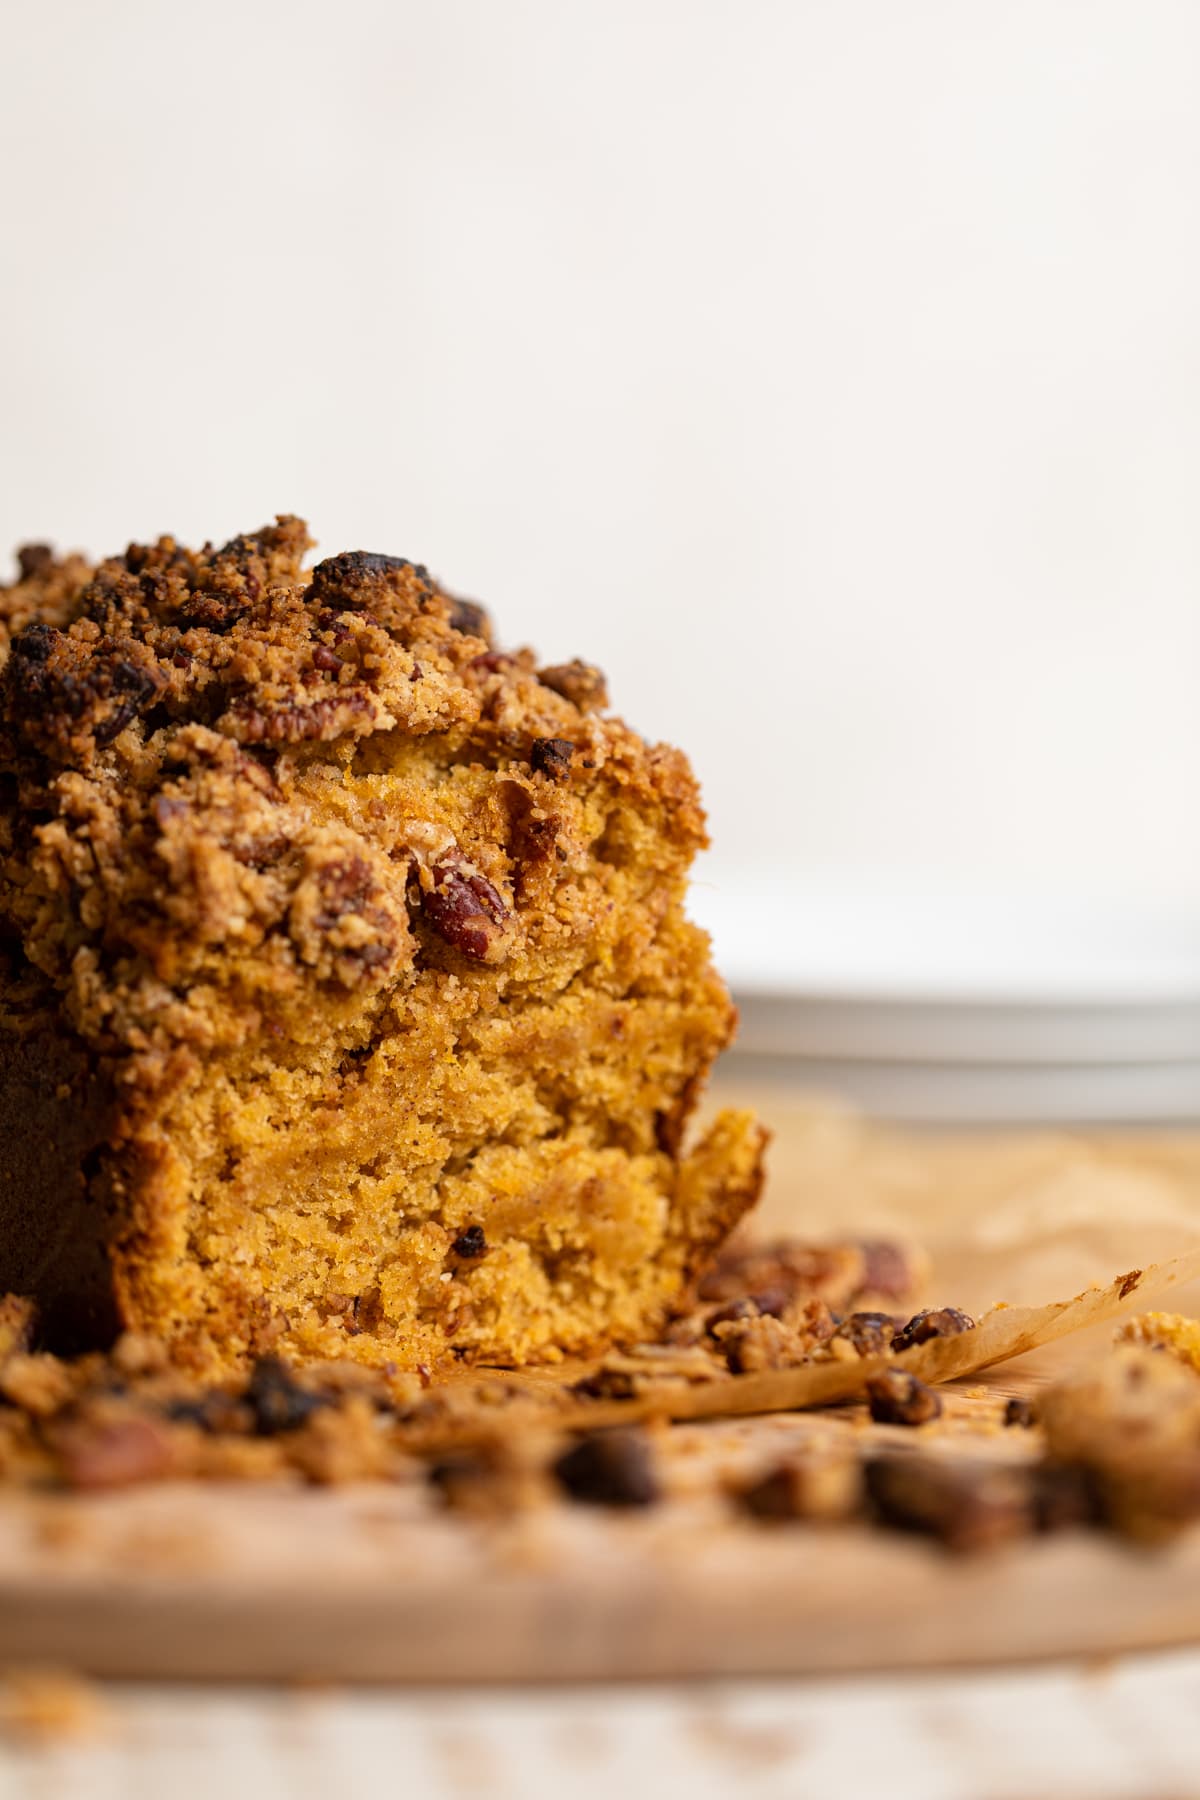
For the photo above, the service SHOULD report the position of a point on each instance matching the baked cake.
(347, 1002)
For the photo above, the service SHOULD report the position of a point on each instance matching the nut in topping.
(552, 757)
(581, 683)
(870, 1333)
(467, 617)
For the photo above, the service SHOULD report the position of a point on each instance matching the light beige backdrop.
(827, 369)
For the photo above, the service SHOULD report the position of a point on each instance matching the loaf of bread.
(348, 1006)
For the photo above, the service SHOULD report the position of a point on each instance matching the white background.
(827, 371)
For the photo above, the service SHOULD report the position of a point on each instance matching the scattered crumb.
(1164, 1331)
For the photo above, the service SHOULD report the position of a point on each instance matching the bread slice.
(347, 1001)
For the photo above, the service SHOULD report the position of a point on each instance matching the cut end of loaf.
(347, 959)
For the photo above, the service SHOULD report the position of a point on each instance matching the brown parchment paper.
(1028, 1217)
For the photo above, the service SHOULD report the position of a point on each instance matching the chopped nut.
(964, 1506)
(34, 560)
(835, 1273)
(946, 1321)
(552, 757)
(733, 1312)
(610, 1468)
(469, 618)
(344, 581)
(1020, 1411)
(896, 1398)
(579, 682)
(772, 1301)
(889, 1269)
(465, 910)
(761, 1341)
(871, 1333)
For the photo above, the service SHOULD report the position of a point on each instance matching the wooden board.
(372, 1584)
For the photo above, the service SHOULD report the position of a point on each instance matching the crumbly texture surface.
(348, 1006)
(129, 1414)
(1114, 1445)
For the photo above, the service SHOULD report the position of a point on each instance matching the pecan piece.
(899, 1399)
(1020, 1411)
(581, 683)
(465, 910)
(610, 1468)
(964, 1506)
(760, 1340)
(889, 1269)
(871, 1333)
(34, 559)
(946, 1321)
(133, 688)
(468, 618)
(764, 1303)
(34, 644)
(342, 582)
(551, 757)
(492, 662)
